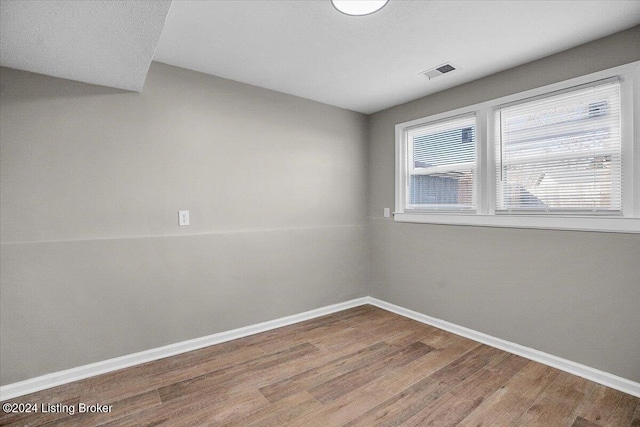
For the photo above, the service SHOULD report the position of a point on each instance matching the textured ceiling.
(301, 47)
(108, 43)
(307, 48)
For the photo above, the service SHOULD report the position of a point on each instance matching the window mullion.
(630, 113)
(481, 185)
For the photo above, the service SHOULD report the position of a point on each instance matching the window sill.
(572, 223)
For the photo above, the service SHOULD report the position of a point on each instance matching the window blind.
(441, 167)
(561, 153)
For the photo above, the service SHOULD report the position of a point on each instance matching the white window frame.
(485, 215)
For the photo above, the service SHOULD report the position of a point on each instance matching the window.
(561, 153)
(559, 157)
(442, 164)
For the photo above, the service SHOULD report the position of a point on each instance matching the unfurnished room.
(320, 213)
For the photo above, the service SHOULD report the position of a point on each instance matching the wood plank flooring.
(360, 367)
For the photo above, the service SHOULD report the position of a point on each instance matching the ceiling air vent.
(438, 71)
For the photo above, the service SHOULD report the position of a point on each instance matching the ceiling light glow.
(358, 7)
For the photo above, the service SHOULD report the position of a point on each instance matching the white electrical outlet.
(387, 212)
(183, 217)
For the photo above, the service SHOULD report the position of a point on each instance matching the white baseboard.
(32, 385)
(622, 384)
(22, 388)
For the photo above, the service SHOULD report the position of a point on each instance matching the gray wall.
(572, 294)
(93, 263)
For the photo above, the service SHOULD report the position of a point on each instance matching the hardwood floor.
(359, 367)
